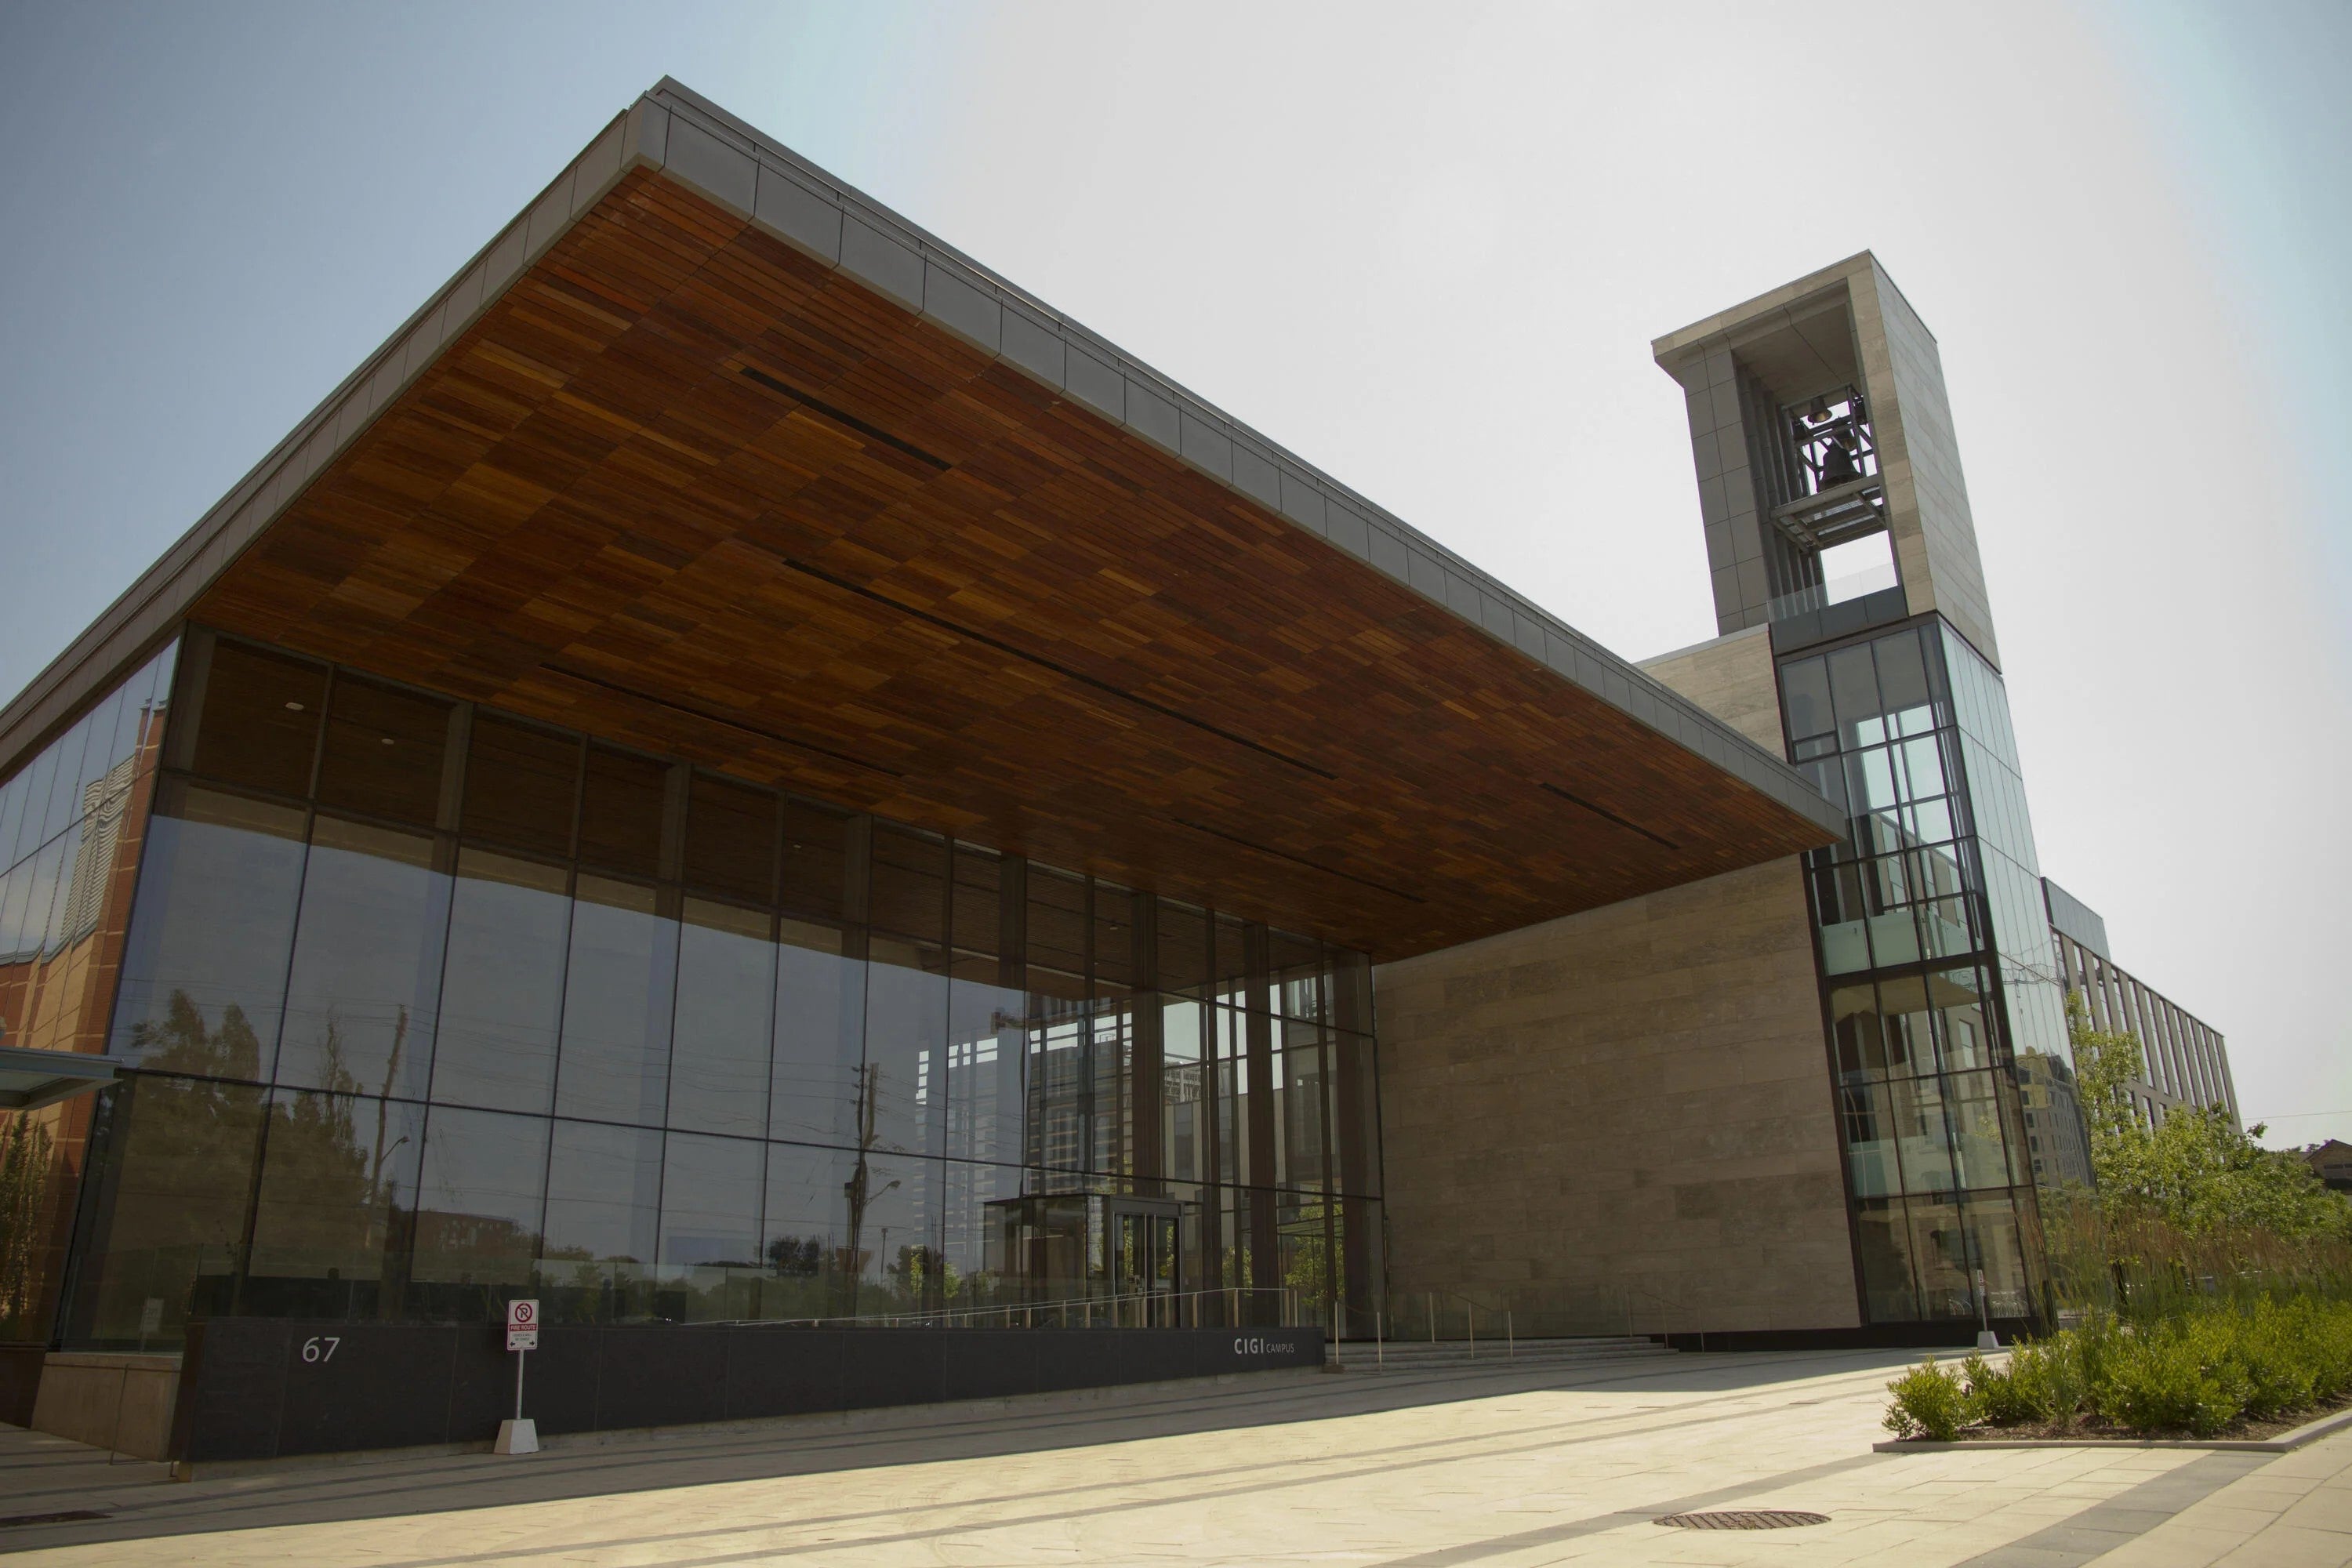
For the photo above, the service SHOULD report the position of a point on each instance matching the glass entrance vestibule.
(425, 1006)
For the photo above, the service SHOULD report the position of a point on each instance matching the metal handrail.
(1057, 1313)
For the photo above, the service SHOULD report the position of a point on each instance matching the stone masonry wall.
(1621, 1121)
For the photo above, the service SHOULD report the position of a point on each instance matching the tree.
(2193, 1170)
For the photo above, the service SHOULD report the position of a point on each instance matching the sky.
(1426, 249)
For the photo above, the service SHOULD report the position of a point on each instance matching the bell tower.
(1829, 475)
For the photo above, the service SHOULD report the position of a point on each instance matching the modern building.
(2187, 1061)
(743, 769)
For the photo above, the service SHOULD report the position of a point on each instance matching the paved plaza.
(1539, 1460)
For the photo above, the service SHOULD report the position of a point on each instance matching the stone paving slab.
(1496, 1467)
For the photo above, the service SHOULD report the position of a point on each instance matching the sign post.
(520, 1436)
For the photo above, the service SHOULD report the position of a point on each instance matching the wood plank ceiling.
(685, 489)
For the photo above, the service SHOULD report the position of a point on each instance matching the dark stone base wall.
(20, 1382)
(260, 1387)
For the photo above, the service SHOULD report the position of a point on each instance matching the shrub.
(2273, 1355)
(2169, 1378)
(1929, 1402)
(2042, 1385)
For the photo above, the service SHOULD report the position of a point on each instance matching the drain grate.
(1744, 1519)
(71, 1516)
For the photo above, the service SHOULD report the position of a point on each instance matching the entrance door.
(1146, 1275)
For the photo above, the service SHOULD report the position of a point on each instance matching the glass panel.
(984, 1084)
(711, 1200)
(977, 919)
(1903, 683)
(906, 1035)
(1114, 951)
(816, 859)
(1943, 1252)
(726, 996)
(1858, 1038)
(1923, 1134)
(1977, 1145)
(180, 1155)
(820, 1033)
(1185, 1122)
(205, 975)
(1805, 697)
(1058, 921)
(710, 1230)
(1999, 1254)
(604, 1213)
(911, 882)
(621, 812)
(38, 781)
(337, 1206)
(521, 784)
(1967, 1033)
(803, 1238)
(1355, 1115)
(1867, 1110)
(730, 839)
(382, 754)
(502, 997)
(259, 723)
(1910, 1048)
(478, 1207)
(620, 988)
(1884, 1250)
(1184, 948)
(1855, 692)
(364, 995)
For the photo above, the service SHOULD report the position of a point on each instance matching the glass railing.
(1837, 591)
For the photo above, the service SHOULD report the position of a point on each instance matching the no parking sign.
(523, 1325)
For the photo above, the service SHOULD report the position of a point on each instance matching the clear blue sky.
(1427, 249)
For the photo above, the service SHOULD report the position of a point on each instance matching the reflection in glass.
(502, 994)
(803, 1241)
(726, 993)
(204, 977)
(620, 988)
(604, 1213)
(906, 1037)
(818, 1092)
(337, 1206)
(180, 1171)
(478, 1207)
(365, 990)
(1883, 1247)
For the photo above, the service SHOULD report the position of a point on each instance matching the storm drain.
(1744, 1519)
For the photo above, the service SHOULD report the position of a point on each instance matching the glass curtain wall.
(72, 818)
(1915, 927)
(428, 1007)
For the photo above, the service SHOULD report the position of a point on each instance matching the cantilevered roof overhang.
(709, 454)
(32, 1078)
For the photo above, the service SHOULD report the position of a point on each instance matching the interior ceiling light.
(293, 708)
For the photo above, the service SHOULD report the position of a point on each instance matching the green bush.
(2196, 1369)
(2174, 1377)
(1929, 1402)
